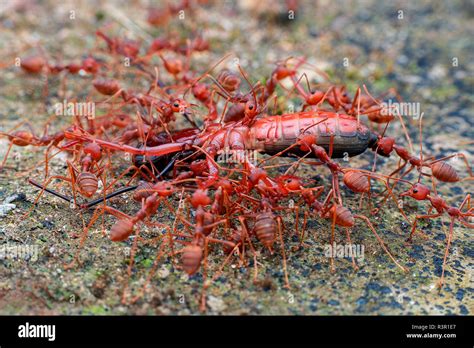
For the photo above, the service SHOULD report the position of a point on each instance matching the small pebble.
(163, 272)
(216, 304)
(5, 208)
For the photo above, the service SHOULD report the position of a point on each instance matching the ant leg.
(419, 217)
(175, 226)
(150, 275)
(354, 264)
(303, 230)
(389, 194)
(335, 185)
(333, 228)
(399, 168)
(297, 220)
(133, 251)
(254, 252)
(405, 173)
(129, 169)
(395, 184)
(469, 213)
(6, 156)
(467, 200)
(43, 189)
(446, 252)
(398, 114)
(202, 306)
(46, 161)
(206, 282)
(214, 240)
(280, 235)
(221, 268)
(72, 170)
(298, 88)
(372, 228)
(465, 223)
(278, 154)
(356, 101)
(98, 212)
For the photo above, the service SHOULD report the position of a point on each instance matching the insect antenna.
(248, 82)
(55, 193)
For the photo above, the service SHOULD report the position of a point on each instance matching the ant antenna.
(250, 85)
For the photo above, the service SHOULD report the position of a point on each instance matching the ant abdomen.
(106, 86)
(191, 258)
(265, 228)
(356, 181)
(33, 64)
(208, 220)
(444, 172)
(143, 191)
(121, 230)
(87, 183)
(229, 81)
(21, 138)
(343, 217)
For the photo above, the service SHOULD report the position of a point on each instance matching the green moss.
(382, 84)
(95, 310)
(445, 92)
(147, 263)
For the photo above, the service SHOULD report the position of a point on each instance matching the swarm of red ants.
(235, 205)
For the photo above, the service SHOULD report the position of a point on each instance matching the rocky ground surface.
(423, 49)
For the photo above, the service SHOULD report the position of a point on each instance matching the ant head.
(90, 65)
(256, 174)
(290, 182)
(200, 198)
(93, 150)
(266, 204)
(314, 97)
(305, 141)
(384, 146)
(121, 120)
(201, 91)
(173, 66)
(282, 71)
(251, 105)
(418, 192)
(225, 184)
(341, 94)
(251, 108)
(163, 188)
(179, 105)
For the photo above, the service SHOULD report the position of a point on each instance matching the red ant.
(422, 193)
